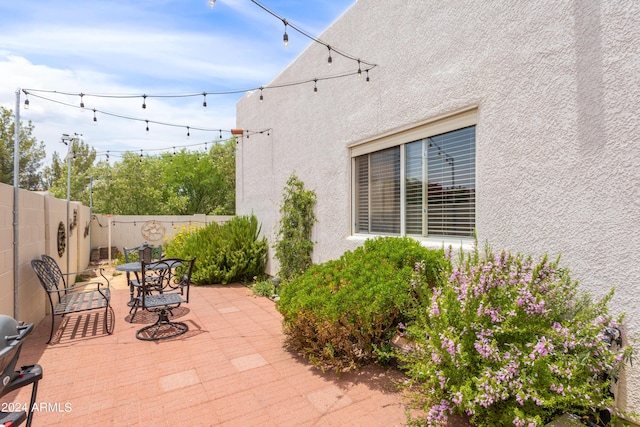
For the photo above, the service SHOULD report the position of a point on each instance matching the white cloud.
(150, 46)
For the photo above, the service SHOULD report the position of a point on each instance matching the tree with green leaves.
(134, 186)
(31, 153)
(80, 166)
(206, 181)
(181, 183)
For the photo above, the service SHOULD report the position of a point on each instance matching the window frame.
(401, 137)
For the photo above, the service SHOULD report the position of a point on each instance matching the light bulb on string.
(204, 101)
(81, 102)
(144, 102)
(147, 126)
(329, 59)
(367, 78)
(107, 156)
(285, 36)
(188, 133)
(261, 97)
(95, 119)
(220, 133)
(359, 69)
(315, 86)
(26, 103)
(140, 155)
(212, 3)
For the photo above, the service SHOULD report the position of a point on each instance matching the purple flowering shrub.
(509, 341)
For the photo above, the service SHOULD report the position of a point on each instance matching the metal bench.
(71, 299)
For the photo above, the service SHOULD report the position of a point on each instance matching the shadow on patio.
(229, 369)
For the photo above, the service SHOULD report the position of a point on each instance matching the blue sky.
(154, 47)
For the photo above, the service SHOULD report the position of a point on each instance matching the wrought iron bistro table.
(136, 268)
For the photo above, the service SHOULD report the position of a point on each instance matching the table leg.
(132, 300)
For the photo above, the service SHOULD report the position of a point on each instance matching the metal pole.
(90, 215)
(16, 199)
(109, 241)
(68, 205)
(66, 140)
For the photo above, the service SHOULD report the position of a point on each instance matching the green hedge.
(338, 314)
(226, 253)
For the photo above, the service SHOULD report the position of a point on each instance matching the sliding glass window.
(423, 188)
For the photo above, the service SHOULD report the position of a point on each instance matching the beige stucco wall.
(39, 217)
(31, 235)
(557, 89)
(127, 230)
(6, 250)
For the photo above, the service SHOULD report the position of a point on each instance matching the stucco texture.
(557, 90)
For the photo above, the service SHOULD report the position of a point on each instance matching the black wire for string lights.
(311, 37)
(28, 92)
(32, 92)
(95, 110)
(172, 150)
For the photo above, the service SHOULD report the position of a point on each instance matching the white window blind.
(362, 194)
(451, 172)
(414, 188)
(377, 188)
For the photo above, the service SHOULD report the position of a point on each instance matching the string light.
(309, 36)
(26, 103)
(367, 80)
(212, 3)
(81, 101)
(204, 100)
(188, 133)
(147, 125)
(220, 133)
(261, 97)
(144, 101)
(315, 86)
(95, 119)
(140, 155)
(285, 37)
(359, 69)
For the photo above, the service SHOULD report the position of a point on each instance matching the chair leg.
(134, 308)
(53, 321)
(106, 320)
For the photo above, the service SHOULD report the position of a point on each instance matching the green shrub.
(226, 253)
(339, 313)
(510, 342)
(294, 246)
(263, 288)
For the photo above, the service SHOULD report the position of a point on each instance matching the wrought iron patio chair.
(147, 253)
(176, 281)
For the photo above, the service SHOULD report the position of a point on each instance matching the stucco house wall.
(556, 88)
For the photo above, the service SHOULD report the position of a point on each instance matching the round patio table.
(135, 267)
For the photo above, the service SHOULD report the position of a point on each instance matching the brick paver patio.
(230, 368)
